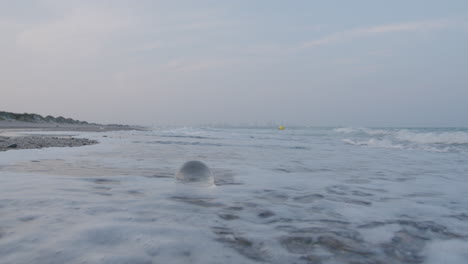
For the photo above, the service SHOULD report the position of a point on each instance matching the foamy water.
(439, 140)
(308, 195)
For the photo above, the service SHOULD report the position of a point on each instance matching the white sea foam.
(373, 132)
(435, 140)
(369, 131)
(381, 234)
(433, 137)
(374, 143)
(345, 130)
(450, 251)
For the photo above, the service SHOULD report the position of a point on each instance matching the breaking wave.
(439, 140)
(345, 130)
(450, 138)
(369, 131)
(374, 142)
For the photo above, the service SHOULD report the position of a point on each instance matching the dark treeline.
(26, 117)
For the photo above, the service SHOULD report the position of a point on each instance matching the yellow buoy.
(281, 127)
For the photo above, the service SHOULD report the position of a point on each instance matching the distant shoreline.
(11, 124)
(10, 139)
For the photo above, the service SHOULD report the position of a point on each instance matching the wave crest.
(374, 143)
(346, 130)
(436, 140)
(369, 131)
(449, 138)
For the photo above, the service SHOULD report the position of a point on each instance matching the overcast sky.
(350, 63)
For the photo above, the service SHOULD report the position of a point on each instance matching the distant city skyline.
(309, 63)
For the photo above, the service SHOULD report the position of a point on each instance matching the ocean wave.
(426, 139)
(413, 136)
(182, 136)
(373, 142)
(369, 131)
(346, 130)
(185, 143)
(448, 138)
(374, 132)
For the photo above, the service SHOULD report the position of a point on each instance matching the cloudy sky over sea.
(368, 63)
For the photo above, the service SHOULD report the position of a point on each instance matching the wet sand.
(19, 125)
(11, 136)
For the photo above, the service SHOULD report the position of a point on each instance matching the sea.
(299, 195)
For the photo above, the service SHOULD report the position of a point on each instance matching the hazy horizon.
(333, 63)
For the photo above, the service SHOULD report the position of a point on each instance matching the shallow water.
(303, 195)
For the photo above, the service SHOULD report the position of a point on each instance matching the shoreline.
(11, 139)
(42, 141)
(42, 126)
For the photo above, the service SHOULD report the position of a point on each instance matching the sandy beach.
(14, 134)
